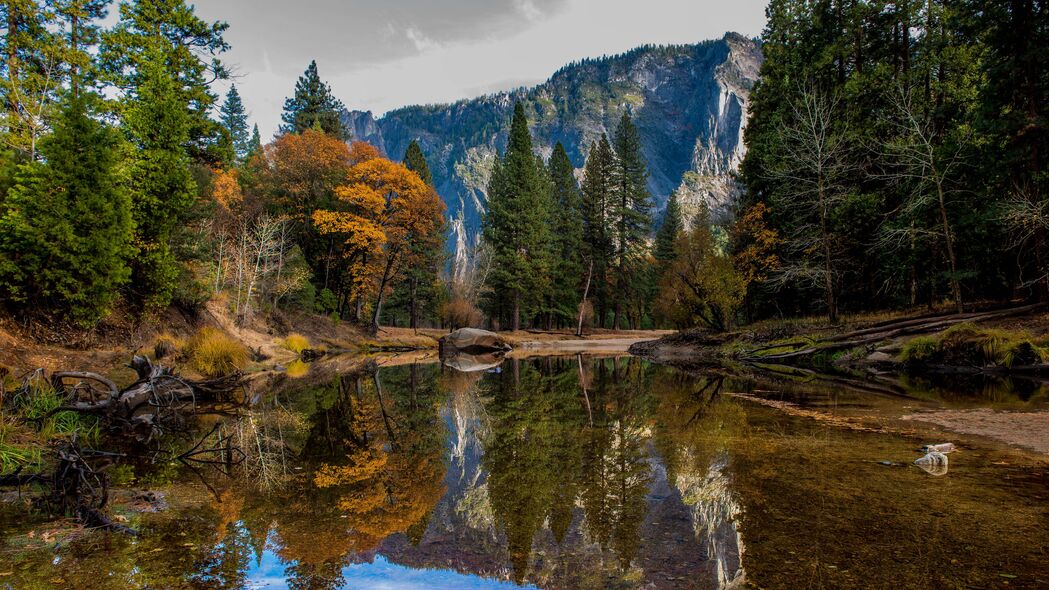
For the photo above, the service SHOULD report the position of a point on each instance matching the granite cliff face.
(689, 103)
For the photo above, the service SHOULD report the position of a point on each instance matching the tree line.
(126, 182)
(896, 156)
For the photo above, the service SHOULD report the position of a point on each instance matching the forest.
(894, 160)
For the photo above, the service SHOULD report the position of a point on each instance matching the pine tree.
(516, 227)
(598, 202)
(419, 289)
(632, 217)
(415, 160)
(255, 145)
(79, 32)
(26, 87)
(162, 186)
(189, 49)
(672, 225)
(65, 227)
(313, 105)
(235, 120)
(567, 229)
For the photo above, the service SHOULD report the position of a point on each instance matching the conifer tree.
(632, 217)
(162, 186)
(598, 202)
(65, 227)
(415, 160)
(235, 120)
(26, 87)
(78, 33)
(312, 106)
(419, 288)
(516, 227)
(672, 225)
(189, 49)
(567, 229)
(255, 145)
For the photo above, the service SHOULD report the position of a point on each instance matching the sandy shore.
(1029, 430)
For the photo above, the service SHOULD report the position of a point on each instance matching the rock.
(933, 463)
(474, 363)
(940, 448)
(880, 357)
(472, 341)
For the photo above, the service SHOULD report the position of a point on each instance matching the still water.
(568, 472)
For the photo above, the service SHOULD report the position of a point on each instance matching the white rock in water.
(933, 463)
(940, 448)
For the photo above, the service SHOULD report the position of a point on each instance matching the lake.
(566, 472)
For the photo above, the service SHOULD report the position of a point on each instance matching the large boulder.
(472, 341)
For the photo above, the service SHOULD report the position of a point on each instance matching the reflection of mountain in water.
(623, 525)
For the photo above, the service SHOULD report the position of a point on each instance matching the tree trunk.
(586, 291)
(956, 288)
(386, 273)
(516, 313)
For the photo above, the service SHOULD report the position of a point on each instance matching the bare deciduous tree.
(811, 179)
(923, 163)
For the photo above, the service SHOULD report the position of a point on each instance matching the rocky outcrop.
(689, 103)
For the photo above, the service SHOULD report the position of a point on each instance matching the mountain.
(689, 103)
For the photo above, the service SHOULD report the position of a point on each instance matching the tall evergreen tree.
(415, 160)
(255, 145)
(418, 291)
(189, 49)
(65, 227)
(567, 229)
(26, 86)
(671, 226)
(313, 106)
(599, 191)
(632, 215)
(79, 32)
(516, 227)
(162, 186)
(235, 120)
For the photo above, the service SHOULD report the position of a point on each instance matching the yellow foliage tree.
(382, 210)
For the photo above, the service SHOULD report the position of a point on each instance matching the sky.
(378, 55)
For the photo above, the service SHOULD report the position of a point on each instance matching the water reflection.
(564, 472)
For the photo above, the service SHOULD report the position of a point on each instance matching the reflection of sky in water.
(379, 575)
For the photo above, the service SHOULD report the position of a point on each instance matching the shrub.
(461, 313)
(213, 353)
(920, 350)
(296, 343)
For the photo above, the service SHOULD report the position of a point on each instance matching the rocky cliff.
(689, 103)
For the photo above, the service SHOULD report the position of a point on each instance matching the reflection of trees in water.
(694, 428)
(372, 445)
(553, 447)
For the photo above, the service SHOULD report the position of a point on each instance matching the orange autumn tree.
(299, 173)
(382, 211)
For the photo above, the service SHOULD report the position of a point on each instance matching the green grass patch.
(968, 345)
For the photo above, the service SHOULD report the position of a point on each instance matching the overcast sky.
(382, 54)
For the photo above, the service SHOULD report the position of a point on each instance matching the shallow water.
(569, 473)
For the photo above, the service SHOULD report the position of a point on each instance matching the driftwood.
(153, 403)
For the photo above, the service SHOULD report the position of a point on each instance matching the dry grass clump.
(167, 345)
(214, 353)
(461, 313)
(967, 345)
(296, 343)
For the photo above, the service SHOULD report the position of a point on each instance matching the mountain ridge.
(689, 102)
